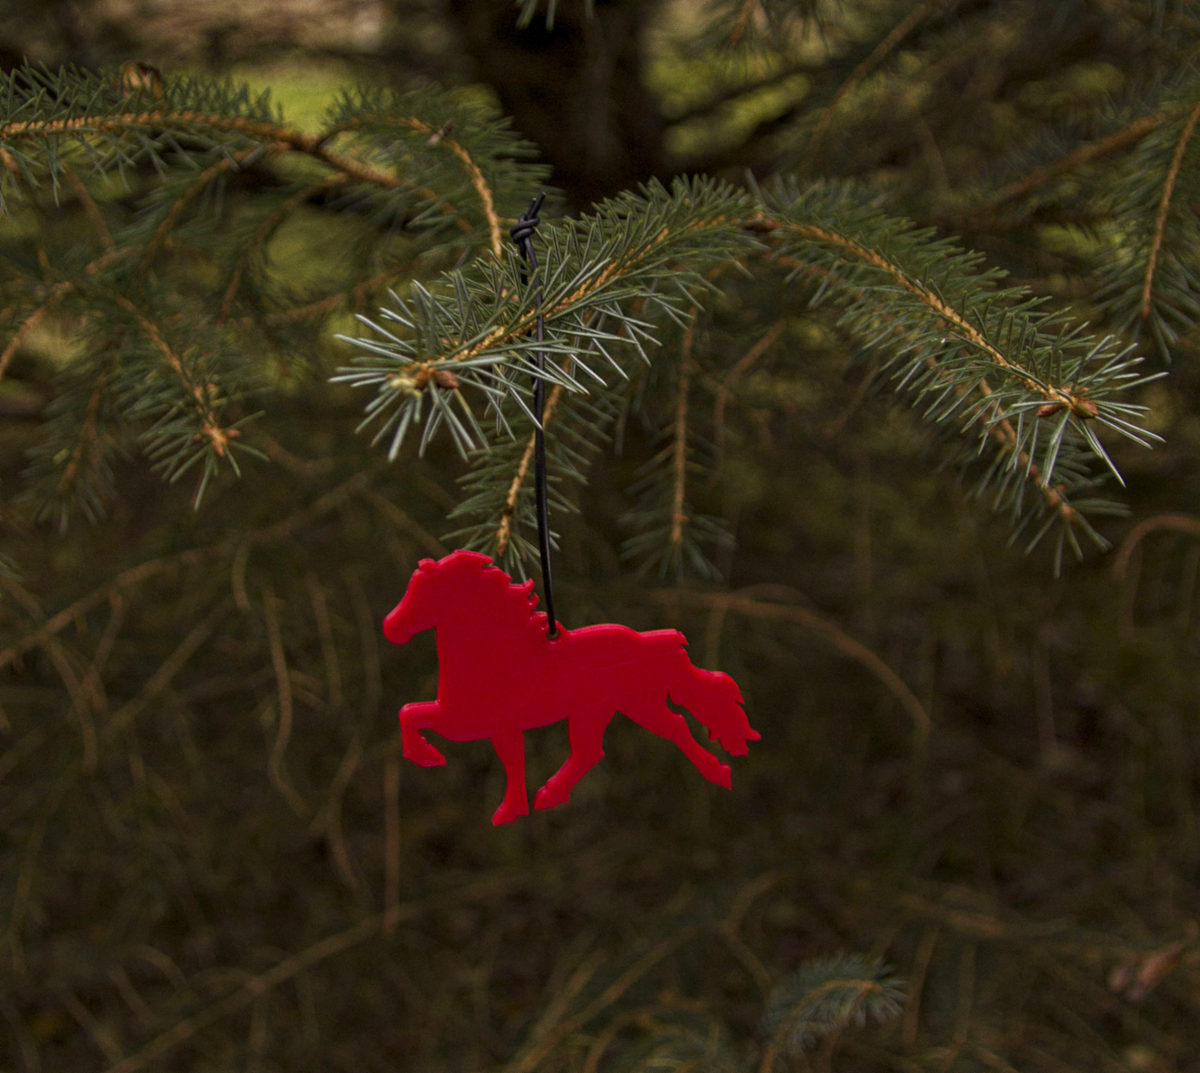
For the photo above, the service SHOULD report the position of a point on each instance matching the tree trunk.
(576, 89)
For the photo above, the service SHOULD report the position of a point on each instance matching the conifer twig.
(1164, 206)
(1179, 522)
(57, 293)
(950, 316)
(744, 603)
(743, 363)
(263, 232)
(1085, 154)
(283, 691)
(474, 174)
(185, 119)
(508, 512)
(897, 34)
(747, 9)
(1002, 432)
(862, 988)
(289, 968)
(679, 430)
(87, 436)
(197, 187)
(89, 207)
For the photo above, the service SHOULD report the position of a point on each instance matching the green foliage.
(829, 994)
(1027, 385)
(213, 856)
(1149, 285)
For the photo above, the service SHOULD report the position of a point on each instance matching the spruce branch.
(968, 350)
(263, 232)
(190, 121)
(864, 68)
(1164, 206)
(435, 137)
(57, 293)
(679, 431)
(1151, 273)
(1025, 383)
(822, 996)
(725, 387)
(1125, 138)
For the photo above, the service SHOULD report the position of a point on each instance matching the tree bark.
(576, 89)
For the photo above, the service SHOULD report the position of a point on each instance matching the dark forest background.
(975, 770)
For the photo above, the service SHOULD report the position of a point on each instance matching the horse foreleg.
(510, 747)
(672, 726)
(587, 750)
(413, 719)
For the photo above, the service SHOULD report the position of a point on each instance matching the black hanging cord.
(522, 235)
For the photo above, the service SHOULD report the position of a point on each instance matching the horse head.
(430, 591)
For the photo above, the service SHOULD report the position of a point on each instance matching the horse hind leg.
(510, 747)
(674, 727)
(587, 750)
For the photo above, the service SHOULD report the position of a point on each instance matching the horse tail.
(714, 699)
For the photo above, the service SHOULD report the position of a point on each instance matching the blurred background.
(977, 772)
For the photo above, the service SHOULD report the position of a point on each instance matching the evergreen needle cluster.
(877, 242)
(186, 327)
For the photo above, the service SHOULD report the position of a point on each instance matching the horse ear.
(427, 564)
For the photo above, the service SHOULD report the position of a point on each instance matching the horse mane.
(515, 597)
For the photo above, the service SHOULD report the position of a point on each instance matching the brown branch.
(263, 232)
(283, 686)
(1085, 154)
(726, 387)
(546, 1044)
(57, 292)
(438, 137)
(1164, 206)
(70, 679)
(679, 463)
(504, 531)
(202, 180)
(170, 667)
(743, 603)
(1180, 522)
(326, 305)
(950, 317)
(743, 20)
(404, 521)
(126, 579)
(89, 208)
(291, 967)
(900, 31)
(88, 435)
(135, 575)
(391, 841)
(308, 144)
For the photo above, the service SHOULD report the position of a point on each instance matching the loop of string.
(522, 235)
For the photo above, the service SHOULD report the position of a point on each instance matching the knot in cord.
(522, 233)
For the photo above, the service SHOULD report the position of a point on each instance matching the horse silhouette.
(500, 674)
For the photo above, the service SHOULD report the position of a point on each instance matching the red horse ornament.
(500, 674)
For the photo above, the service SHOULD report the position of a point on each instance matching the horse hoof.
(506, 813)
(429, 756)
(546, 798)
